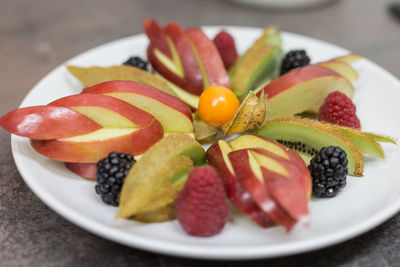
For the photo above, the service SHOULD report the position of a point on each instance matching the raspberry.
(201, 206)
(339, 109)
(226, 48)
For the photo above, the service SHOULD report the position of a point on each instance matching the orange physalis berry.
(217, 105)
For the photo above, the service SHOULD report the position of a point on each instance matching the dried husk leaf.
(259, 113)
(249, 117)
(202, 131)
(95, 74)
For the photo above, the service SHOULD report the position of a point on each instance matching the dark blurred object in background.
(282, 4)
(394, 9)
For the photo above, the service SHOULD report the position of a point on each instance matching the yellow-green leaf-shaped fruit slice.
(191, 99)
(349, 58)
(344, 69)
(260, 63)
(155, 188)
(95, 74)
(202, 131)
(158, 159)
(163, 214)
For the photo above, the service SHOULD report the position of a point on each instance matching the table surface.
(36, 36)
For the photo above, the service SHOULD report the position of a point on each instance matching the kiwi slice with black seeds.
(294, 132)
(308, 136)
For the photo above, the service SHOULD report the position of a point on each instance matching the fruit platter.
(214, 142)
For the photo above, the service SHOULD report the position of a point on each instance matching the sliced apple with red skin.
(303, 90)
(217, 156)
(342, 68)
(190, 99)
(86, 170)
(188, 59)
(257, 141)
(173, 114)
(92, 147)
(126, 129)
(106, 110)
(156, 35)
(250, 176)
(171, 55)
(285, 183)
(45, 122)
(192, 73)
(208, 58)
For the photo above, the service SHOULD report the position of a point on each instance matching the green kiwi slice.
(364, 142)
(381, 138)
(294, 132)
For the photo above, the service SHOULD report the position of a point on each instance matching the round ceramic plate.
(363, 204)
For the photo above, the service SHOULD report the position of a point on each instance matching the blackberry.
(137, 62)
(110, 175)
(328, 171)
(294, 59)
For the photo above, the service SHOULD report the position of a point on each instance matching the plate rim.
(217, 253)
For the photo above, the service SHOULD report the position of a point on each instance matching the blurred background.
(36, 36)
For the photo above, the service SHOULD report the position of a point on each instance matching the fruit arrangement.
(139, 130)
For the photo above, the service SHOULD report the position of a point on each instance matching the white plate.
(364, 203)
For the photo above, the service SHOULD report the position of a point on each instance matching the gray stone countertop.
(36, 36)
